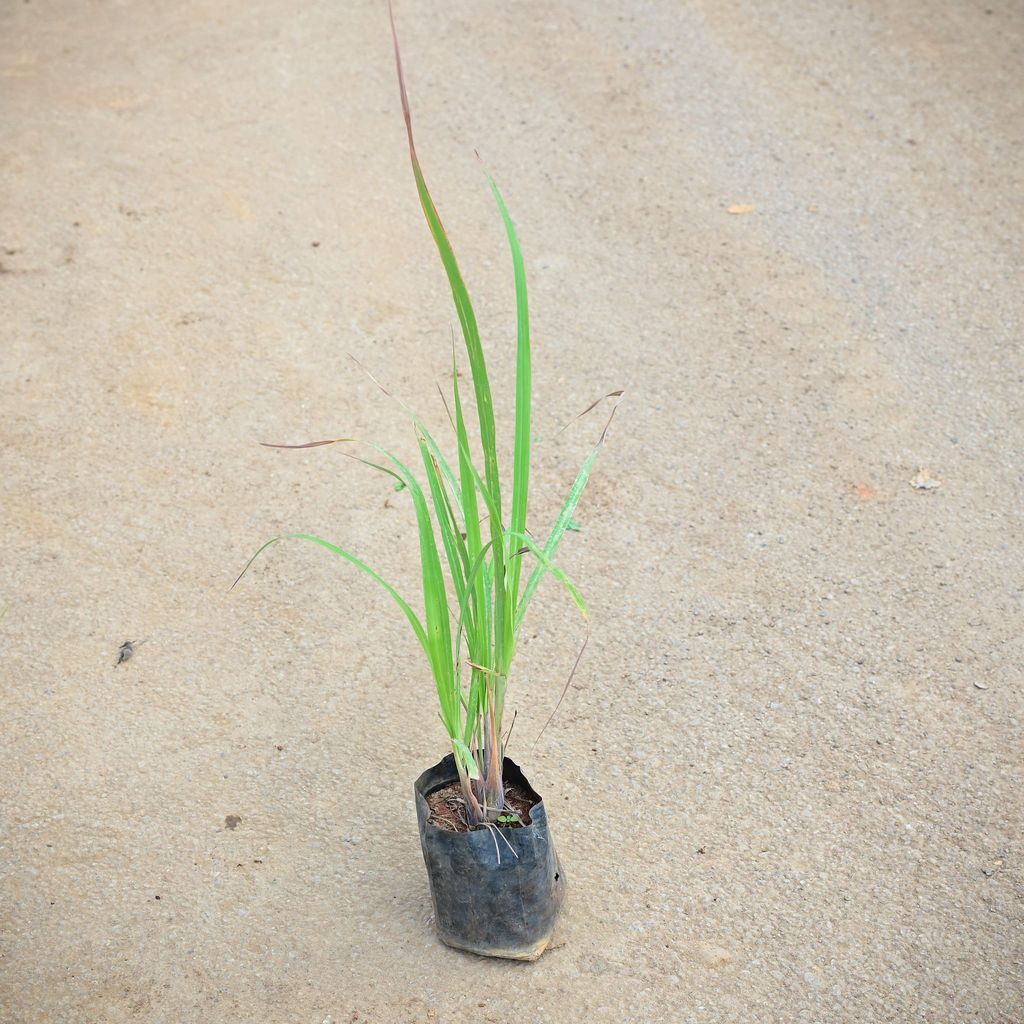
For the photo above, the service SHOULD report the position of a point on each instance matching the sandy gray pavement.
(787, 781)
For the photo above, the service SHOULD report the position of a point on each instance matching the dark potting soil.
(448, 809)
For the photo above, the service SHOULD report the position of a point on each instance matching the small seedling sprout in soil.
(483, 550)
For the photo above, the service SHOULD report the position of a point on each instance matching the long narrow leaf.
(478, 683)
(524, 390)
(465, 755)
(555, 571)
(344, 440)
(563, 520)
(494, 575)
(421, 427)
(471, 517)
(460, 295)
(417, 626)
(435, 600)
(472, 578)
(450, 536)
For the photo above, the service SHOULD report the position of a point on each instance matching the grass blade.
(563, 520)
(524, 390)
(417, 626)
(421, 427)
(437, 634)
(471, 517)
(460, 295)
(555, 571)
(435, 602)
(465, 755)
(451, 538)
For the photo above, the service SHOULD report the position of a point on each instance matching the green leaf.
(435, 601)
(454, 546)
(465, 757)
(417, 626)
(564, 518)
(524, 390)
(471, 517)
(549, 566)
(460, 296)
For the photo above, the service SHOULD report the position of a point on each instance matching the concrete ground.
(786, 782)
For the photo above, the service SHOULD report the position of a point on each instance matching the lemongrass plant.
(475, 598)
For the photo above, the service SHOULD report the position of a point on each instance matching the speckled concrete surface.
(786, 783)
